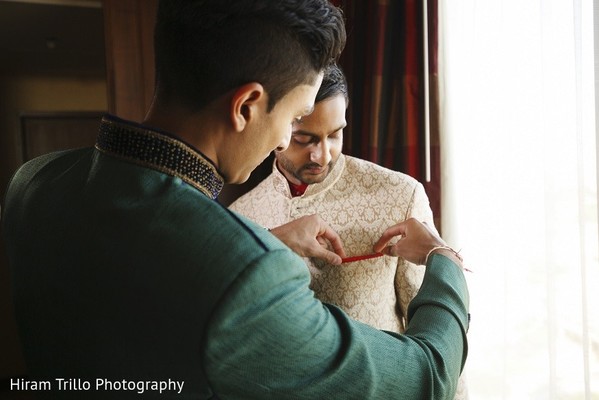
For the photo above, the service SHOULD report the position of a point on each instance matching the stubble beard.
(301, 173)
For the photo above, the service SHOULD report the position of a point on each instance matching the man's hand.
(416, 241)
(310, 236)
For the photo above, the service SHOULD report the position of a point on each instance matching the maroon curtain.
(384, 64)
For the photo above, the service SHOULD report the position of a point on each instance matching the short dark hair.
(333, 84)
(204, 48)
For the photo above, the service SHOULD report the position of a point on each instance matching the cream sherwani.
(359, 200)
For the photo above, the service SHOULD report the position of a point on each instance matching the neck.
(198, 129)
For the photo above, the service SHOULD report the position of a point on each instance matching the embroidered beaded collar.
(160, 151)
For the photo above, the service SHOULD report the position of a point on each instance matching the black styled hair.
(333, 84)
(204, 48)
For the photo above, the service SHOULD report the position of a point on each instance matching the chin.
(312, 179)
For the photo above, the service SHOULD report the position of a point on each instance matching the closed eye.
(302, 139)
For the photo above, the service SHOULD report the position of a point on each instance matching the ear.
(246, 103)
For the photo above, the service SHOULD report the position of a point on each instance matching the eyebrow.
(307, 133)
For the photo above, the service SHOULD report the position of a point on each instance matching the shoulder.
(39, 173)
(359, 167)
(236, 239)
(255, 196)
(51, 160)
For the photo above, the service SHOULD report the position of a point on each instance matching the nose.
(321, 153)
(284, 144)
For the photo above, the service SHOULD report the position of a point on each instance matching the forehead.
(328, 114)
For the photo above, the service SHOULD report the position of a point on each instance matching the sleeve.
(408, 276)
(271, 339)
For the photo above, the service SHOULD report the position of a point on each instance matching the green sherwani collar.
(159, 150)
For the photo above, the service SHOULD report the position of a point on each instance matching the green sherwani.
(124, 267)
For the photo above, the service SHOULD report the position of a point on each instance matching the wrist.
(447, 252)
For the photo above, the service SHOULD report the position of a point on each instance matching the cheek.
(293, 157)
(288, 133)
(283, 133)
(336, 147)
(300, 154)
(273, 135)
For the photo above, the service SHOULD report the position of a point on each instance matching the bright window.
(520, 192)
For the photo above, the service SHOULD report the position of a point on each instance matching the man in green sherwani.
(130, 280)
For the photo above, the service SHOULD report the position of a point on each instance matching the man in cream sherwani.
(358, 199)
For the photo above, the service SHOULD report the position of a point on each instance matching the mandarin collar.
(159, 150)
